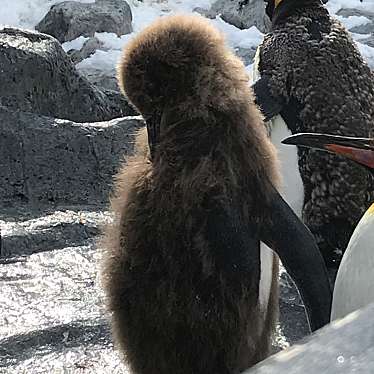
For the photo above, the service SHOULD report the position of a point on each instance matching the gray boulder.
(103, 79)
(242, 14)
(37, 76)
(69, 19)
(46, 160)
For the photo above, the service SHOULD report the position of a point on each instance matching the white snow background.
(27, 13)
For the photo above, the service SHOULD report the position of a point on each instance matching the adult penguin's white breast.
(354, 285)
(292, 188)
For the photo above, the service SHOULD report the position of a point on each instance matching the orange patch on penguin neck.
(371, 209)
(277, 2)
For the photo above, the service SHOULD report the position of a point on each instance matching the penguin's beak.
(153, 129)
(360, 150)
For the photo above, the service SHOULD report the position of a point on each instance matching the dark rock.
(240, 13)
(37, 76)
(103, 79)
(343, 347)
(116, 100)
(69, 19)
(246, 54)
(49, 229)
(89, 48)
(49, 160)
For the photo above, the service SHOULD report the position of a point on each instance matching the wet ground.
(52, 315)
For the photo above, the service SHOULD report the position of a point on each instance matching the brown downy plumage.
(180, 304)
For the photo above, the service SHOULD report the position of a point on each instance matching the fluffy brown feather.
(175, 310)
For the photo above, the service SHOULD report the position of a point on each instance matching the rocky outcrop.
(37, 76)
(69, 19)
(52, 161)
(103, 79)
(240, 13)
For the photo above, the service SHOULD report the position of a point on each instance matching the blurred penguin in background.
(312, 78)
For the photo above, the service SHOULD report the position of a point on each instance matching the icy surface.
(52, 307)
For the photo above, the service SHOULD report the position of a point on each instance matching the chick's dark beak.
(360, 150)
(153, 130)
(270, 7)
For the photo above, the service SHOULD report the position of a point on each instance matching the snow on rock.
(360, 21)
(242, 14)
(243, 41)
(89, 47)
(69, 20)
(100, 65)
(75, 44)
(26, 13)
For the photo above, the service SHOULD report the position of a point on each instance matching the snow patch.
(353, 21)
(26, 13)
(75, 44)
(106, 61)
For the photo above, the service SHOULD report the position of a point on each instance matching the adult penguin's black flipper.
(269, 105)
(298, 251)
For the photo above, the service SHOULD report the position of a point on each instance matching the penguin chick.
(190, 289)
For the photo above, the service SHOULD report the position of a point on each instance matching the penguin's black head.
(273, 6)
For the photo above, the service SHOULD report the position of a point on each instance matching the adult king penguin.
(313, 79)
(354, 286)
(186, 279)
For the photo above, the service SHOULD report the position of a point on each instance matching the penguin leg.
(298, 251)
